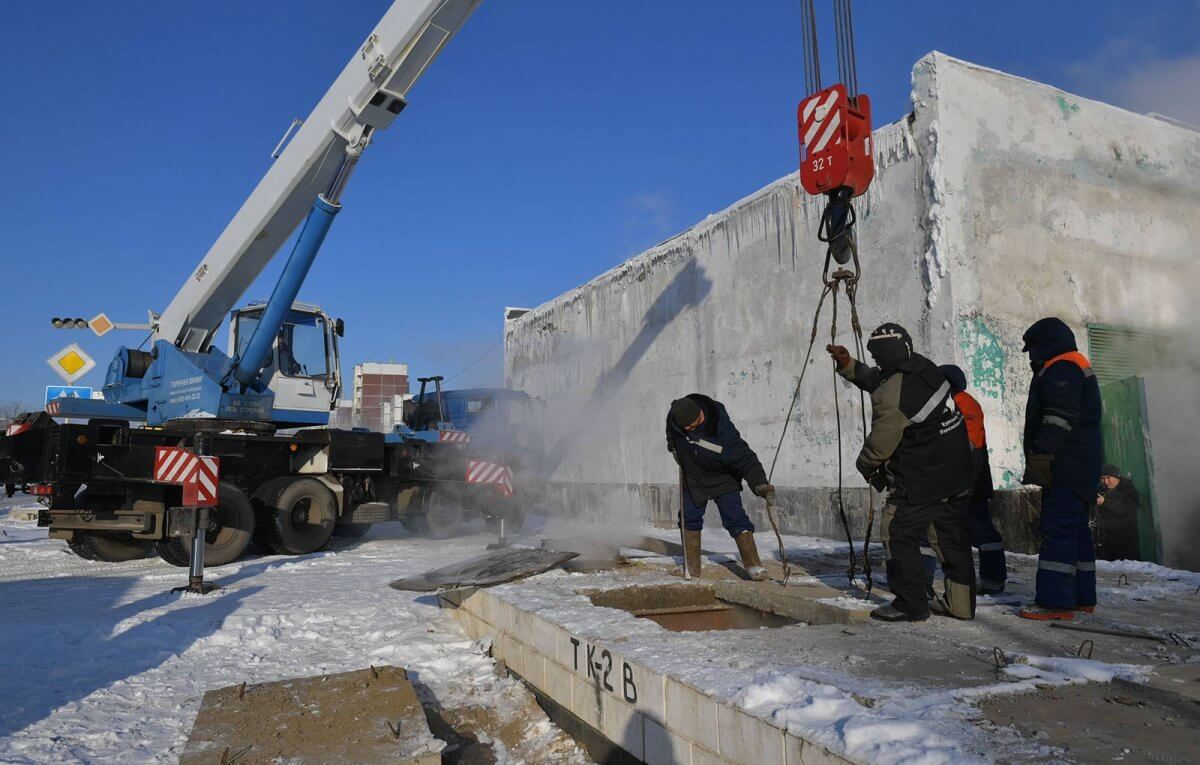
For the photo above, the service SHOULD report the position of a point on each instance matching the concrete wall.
(1050, 204)
(725, 308)
(996, 202)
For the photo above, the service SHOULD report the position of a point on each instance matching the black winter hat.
(889, 345)
(955, 376)
(684, 411)
(1110, 471)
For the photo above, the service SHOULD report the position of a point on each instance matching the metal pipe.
(338, 185)
(196, 565)
(247, 366)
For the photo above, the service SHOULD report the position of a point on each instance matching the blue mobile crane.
(100, 473)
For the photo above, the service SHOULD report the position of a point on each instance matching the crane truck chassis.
(285, 493)
(100, 480)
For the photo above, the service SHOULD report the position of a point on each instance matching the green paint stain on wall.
(1009, 480)
(1067, 107)
(984, 354)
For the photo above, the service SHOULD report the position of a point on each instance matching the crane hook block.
(835, 140)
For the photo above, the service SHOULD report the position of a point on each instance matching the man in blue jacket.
(715, 459)
(1063, 455)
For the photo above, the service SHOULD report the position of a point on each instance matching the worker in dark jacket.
(715, 459)
(993, 570)
(1117, 508)
(1063, 455)
(917, 449)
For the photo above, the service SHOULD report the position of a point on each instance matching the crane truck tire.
(297, 514)
(98, 545)
(108, 548)
(228, 536)
(437, 515)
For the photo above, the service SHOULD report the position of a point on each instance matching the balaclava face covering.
(890, 344)
(1045, 339)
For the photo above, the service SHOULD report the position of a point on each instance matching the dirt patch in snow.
(1101, 722)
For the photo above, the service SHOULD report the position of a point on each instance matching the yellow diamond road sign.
(71, 363)
(101, 324)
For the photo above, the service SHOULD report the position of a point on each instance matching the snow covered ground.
(103, 663)
(887, 693)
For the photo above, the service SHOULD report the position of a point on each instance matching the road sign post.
(71, 363)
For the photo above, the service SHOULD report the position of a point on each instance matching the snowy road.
(101, 662)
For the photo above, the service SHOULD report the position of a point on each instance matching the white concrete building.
(996, 201)
(377, 387)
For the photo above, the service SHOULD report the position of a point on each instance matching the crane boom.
(368, 94)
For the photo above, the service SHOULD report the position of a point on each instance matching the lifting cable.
(836, 230)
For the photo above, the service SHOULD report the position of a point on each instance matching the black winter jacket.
(1062, 415)
(1117, 520)
(917, 434)
(714, 457)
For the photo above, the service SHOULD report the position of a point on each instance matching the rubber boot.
(691, 552)
(960, 601)
(749, 554)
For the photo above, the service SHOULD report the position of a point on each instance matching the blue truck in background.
(503, 429)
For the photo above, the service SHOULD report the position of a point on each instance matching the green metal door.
(1127, 445)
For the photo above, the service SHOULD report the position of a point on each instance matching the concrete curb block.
(656, 718)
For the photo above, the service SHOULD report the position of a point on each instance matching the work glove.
(766, 491)
(841, 356)
(1037, 470)
(880, 480)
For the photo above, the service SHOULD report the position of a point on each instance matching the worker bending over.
(715, 459)
(993, 570)
(918, 451)
(1063, 455)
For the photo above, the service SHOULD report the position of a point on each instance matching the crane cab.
(304, 368)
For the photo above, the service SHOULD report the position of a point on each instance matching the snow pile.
(103, 662)
(833, 718)
(1058, 670)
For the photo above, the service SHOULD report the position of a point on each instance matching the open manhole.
(687, 608)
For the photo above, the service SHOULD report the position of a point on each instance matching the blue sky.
(549, 142)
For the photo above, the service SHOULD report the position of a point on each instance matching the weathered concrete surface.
(998, 201)
(672, 696)
(369, 715)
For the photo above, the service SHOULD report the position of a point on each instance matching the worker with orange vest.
(1063, 455)
(993, 571)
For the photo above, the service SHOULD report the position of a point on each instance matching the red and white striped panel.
(819, 121)
(454, 437)
(479, 471)
(198, 475)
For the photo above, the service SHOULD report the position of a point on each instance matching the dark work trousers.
(1066, 576)
(733, 515)
(993, 570)
(908, 528)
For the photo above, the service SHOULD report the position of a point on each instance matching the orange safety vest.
(972, 414)
(1075, 357)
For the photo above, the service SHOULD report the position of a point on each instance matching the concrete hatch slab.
(495, 567)
(368, 715)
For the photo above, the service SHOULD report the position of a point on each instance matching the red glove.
(841, 356)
